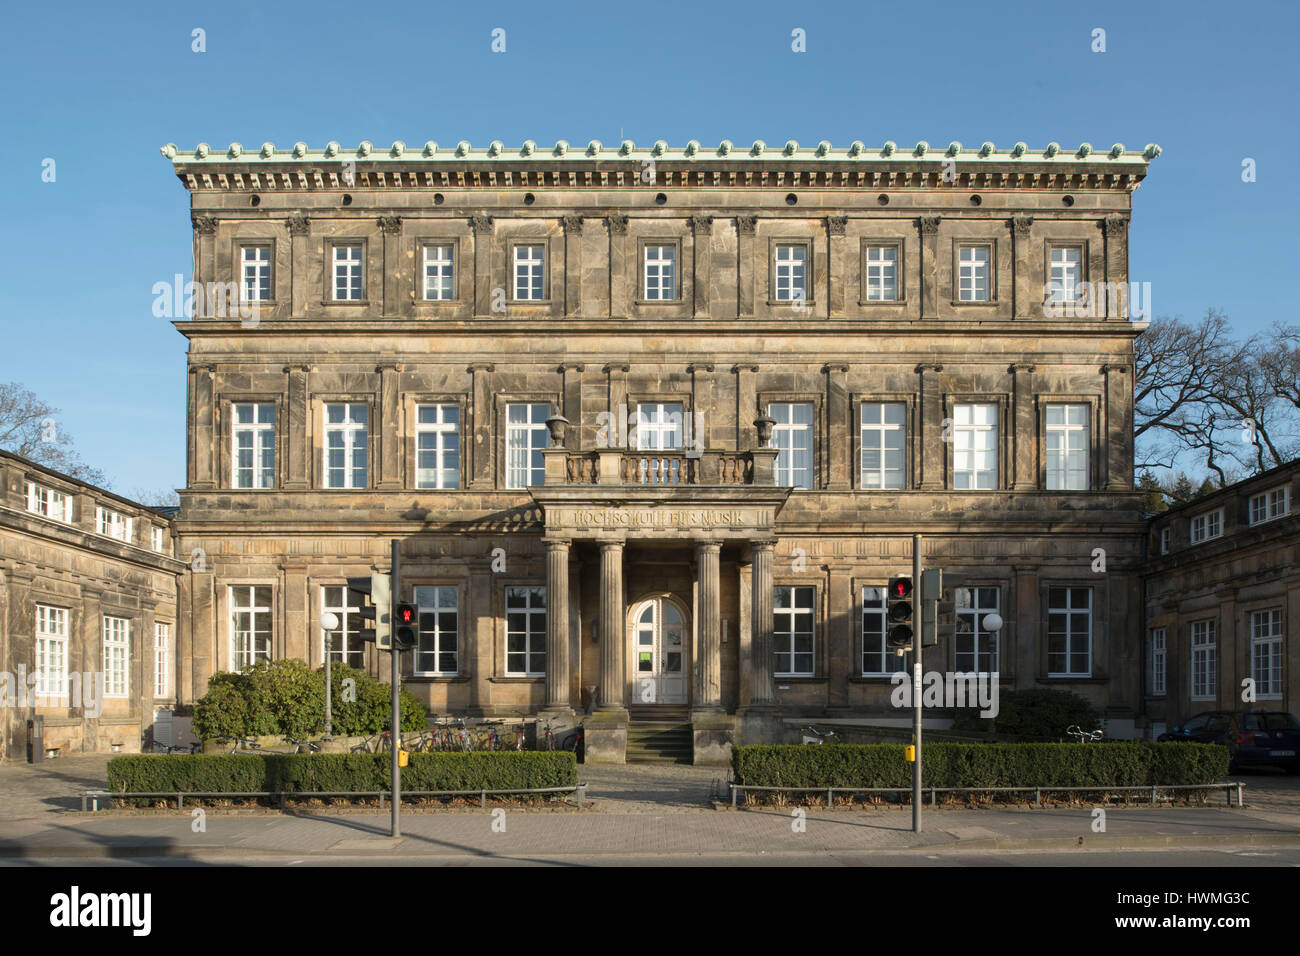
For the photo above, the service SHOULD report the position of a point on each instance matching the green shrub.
(1042, 712)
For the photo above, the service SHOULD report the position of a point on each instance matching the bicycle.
(193, 748)
(521, 733)
(312, 747)
(423, 743)
(574, 742)
(253, 746)
(811, 735)
(550, 738)
(464, 743)
(1074, 730)
(491, 740)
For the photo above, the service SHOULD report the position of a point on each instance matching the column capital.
(390, 225)
(736, 369)
(481, 224)
(930, 225)
(1116, 225)
(571, 367)
(573, 224)
(764, 544)
(837, 225)
(703, 225)
(390, 367)
(615, 367)
(204, 225)
(834, 367)
(611, 545)
(708, 544)
(618, 224)
(296, 368)
(746, 225)
(1107, 369)
(700, 367)
(557, 544)
(481, 367)
(1021, 226)
(1022, 367)
(298, 225)
(928, 367)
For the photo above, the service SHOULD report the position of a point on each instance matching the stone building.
(654, 426)
(88, 613)
(1222, 590)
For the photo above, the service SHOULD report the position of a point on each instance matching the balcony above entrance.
(669, 468)
(619, 512)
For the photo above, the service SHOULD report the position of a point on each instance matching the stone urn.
(558, 426)
(764, 426)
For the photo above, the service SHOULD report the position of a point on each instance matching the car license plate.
(1281, 753)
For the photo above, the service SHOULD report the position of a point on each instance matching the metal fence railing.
(92, 797)
(1230, 788)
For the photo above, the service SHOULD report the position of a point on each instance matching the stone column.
(302, 634)
(746, 229)
(709, 689)
(1024, 300)
(1024, 476)
(205, 266)
(557, 624)
(746, 404)
(839, 433)
(482, 266)
(477, 659)
(204, 473)
(761, 664)
(572, 266)
(297, 440)
(836, 268)
(842, 657)
(479, 447)
(393, 275)
(571, 404)
(930, 267)
(698, 418)
(612, 672)
(929, 455)
(702, 275)
(1117, 428)
(620, 293)
(617, 435)
(299, 270)
(387, 430)
(1116, 229)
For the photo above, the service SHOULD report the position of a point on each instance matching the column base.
(605, 736)
(714, 734)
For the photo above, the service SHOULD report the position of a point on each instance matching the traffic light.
(406, 626)
(898, 611)
(373, 595)
(938, 616)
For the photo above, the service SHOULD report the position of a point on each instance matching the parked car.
(1255, 738)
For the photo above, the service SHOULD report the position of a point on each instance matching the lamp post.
(329, 621)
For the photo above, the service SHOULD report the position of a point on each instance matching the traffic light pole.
(916, 683)
(396, 738)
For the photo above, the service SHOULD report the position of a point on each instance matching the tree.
(28, 428)
(1153, 496)
(156, 497)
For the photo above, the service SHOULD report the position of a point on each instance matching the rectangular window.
(792, 632)
(1158, 658)
(1166, 536)
(436, 653)
(250, 625)
(159, 539)
(344, 642)
(883, 434)
(253, 445)
(1205, 666)
(1067, 447)
(526, 632)
(1266, 653)
(48, 503)
(530, 273)
(1269, 505)
(526, 436)
(255, 265)
(114, 524)
(975, 446)
(437, 446)
(878, 660)
(347, 273)
(51, 651)
(659, 426)
(976, 648)
(440, 272)
(346, 433)
(792, 436)
(1069, 632)
(1207, 526)
(660, 272)
(791, 273)
(162, 659)
(1066, 273)
(973, 274)
(117, 651)
(881, 271)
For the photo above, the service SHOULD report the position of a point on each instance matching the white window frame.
(790, 272)
(789, 436)
(1159, 661)
(261, 444)
(524, 441)
(972, 271)
(352, 434)
(973, 604)
(1071, 438)
(659, 426)
(348, 274)
(51, 652)
(528, 271)
(788, 616)
(430, 600)
(1267, 663)
(1204, 654)
(117, 656)
(1207, 526)
(114, 524)
(351, 649)
(158, 537)
(881, 273)
(533, 633)
(49, 503)
(1065, 275)
(432, 438)
(874, 633)
(1166, 540)
(967, 453)
(873, 438)
(1270, 505)
(244, 644)
(1073, 634)
(440, 272)
(659, 271)
(255, 272)
(162, 639)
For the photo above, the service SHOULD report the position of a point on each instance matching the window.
(344, 642)
(1066, 273)
(791, 273)
(792, 633)
(345, 445)
(255, 265)
(1069, 632)
(1205, 665)
(973, 274)
(977, 648)
(347, 274)
(1266, 653)
(250, 626)
(1158, 659)
(1165, 538)
(117, 650)
(1207, 526)
(159, 536)
(659, 426)
(878, 660)
(1269, 505)
(435, 654)
(114, 524)
(48, 503)
(162, 663)
(440, 272)
(881, 272)
(51, 651)
(883, 461)
(526, 632)
(526, 436)
(793, 437)
(975, 446)
(660, 270)
(437, 446)
(1067, 447)
(253, 445)
(530, 273)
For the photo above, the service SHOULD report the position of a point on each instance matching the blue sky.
(99, 87)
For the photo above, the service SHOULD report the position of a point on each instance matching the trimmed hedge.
(1120, 764)
(307, 773)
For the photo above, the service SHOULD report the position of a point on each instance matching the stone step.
(664, 741)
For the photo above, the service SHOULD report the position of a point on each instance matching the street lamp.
(329, 621)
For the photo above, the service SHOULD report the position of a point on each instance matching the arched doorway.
(659, 651)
